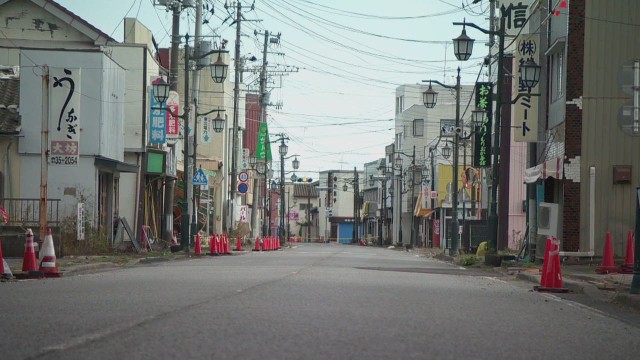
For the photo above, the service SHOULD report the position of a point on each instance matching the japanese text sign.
(484, 101)
(64, 105)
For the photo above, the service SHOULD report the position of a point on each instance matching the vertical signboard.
(158, 131)
(64, 130)
(80, 221)
(484, 101)
(173, 125)
(525, 117)
(192, 117)
(263, 143)
(205, 130)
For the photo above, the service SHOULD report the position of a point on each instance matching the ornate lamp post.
(463, 47)
(161, 93)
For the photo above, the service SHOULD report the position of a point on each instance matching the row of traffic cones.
(218, 244)
(551, 279)
(48, 263)
(267, 243)
(608, 265)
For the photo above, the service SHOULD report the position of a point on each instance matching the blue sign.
(243, 188)
(158, 130)
(199, 178)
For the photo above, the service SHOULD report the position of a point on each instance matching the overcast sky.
(350, 55)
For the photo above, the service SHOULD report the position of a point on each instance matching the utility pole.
(169, 192)
(195, 94)
(44, 154)
(263, 105)
(236, 100)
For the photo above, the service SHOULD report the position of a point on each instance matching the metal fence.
(26, 212)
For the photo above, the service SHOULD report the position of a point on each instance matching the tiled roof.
(9, 103)
(305, 190)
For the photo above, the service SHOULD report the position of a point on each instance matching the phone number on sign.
(64, 160)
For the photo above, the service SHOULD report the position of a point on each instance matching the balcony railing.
(26, 212)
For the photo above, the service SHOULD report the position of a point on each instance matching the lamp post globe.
(429, 97)
(446, 151)
(219, 70)
(218, 123)
(295, 163)
(530, 72)
(398, 161)
(463, 46)
(160, 90)
(478, 117)
(282, 149)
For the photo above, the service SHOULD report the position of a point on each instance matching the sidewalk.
(578, 276)
(73, 265)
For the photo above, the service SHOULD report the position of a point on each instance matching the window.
(557, 84)
(418, 127)
(399, 104)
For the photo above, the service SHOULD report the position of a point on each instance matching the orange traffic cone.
(257, 247)
(608, 266)
(627, 266)
(198, 249)
(213, 249)
(544, 276)
(29, 262)
(238, 244)
(551, 280)
(49, 263)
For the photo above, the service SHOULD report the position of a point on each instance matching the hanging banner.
(64, 107)
(525, 112)
(205, 130)
(173, 124)
(192, 117)
(263, 139)
(482, 149)
(157, 117)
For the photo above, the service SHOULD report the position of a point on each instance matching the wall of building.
(101, 127)
(610, 41)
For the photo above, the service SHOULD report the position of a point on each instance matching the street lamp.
(161, 93)
(463, 45)
(282, 149)
(531, 75)
(398, 163)
(383, 199)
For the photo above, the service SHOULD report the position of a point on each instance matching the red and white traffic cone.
(29, 262)
(49, 263)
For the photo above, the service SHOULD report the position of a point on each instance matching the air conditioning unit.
(548, 219)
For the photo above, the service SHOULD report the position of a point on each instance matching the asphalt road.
(316, 301)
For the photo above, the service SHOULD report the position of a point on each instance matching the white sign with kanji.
(64, 108)
(243, 213)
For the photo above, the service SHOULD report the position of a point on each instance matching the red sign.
(173, 124)
(436, 233)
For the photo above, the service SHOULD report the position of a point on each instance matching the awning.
(550, 168)
(420, 211)
(114, 165)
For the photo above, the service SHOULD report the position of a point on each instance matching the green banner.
(263, 138)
